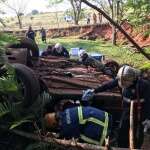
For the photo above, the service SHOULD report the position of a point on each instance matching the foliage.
(17, 7)
(5, 39)
(11, 111)
(76, 8)
(14, 115)
(35, 12)
(145, 67)
(8, 83)
(21, 121)
(5, 108)
(55, 2)
(69, 12)
(137, 11)
(147, 33)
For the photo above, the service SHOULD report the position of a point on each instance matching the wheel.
(113, 65)
(29, 84)
(32, 48)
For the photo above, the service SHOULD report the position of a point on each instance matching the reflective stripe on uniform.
(105, 129)
(89, 140)
(128, 100)
(96, 121)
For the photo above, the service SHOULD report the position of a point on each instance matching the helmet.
(127, 75)
(83, 55)
(58, 47)
(50, 120)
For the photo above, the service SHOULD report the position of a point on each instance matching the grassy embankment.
(119, 53)
(5, 39)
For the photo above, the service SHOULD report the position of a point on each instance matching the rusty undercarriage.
(66, 79)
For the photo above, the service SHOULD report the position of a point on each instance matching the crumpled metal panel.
(66, 79)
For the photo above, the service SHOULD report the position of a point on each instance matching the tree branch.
(71, 144)
(119, 27)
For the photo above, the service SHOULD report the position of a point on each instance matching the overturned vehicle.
(51, 84)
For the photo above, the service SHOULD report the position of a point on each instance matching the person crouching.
(87, 124)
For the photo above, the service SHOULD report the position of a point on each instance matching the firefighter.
(87, 124)
(59, 50)
(43, 34)
(30, 33)
(133, 88)
(48, 51)
(92, 62)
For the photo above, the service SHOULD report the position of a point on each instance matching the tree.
(18, 7)
(35, 12)
(1, 20)
(76, 6)
(54, 3)
(113, 8)
(137, 11)
(119, 28)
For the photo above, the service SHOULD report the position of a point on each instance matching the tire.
(31, 87)
(32, 49)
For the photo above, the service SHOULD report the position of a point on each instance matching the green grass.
(5, 39)
(120, 53)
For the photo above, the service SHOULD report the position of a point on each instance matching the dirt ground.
(140, 35)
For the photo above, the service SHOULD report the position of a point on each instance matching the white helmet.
(58, 47)
(127, 75)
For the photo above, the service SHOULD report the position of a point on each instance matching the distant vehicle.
(68, 18)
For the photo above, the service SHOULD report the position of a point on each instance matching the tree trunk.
(114, 35)
(57, 20)
(113, 27)
(2, 22)
(76, 22)
(19, 21)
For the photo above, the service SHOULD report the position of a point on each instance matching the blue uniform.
(131, 93)
(128, 95)
(31, 35)
(86, 123)
(63, 53)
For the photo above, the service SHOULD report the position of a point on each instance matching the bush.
(35, 12)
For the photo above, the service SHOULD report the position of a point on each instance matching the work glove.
(146, 125)
(87, 96)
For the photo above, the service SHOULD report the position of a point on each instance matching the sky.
(40, 5)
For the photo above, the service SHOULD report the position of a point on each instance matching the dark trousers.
(44, 38)
(123, 138)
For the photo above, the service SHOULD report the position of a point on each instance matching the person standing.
(30, 33)
(88, 20)
(94, 18)
(100, 17)
(43, 34)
